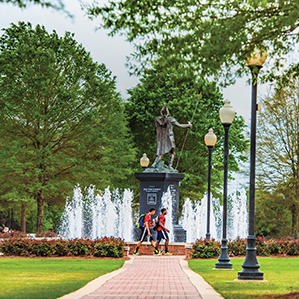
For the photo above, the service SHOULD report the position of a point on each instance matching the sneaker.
(167, 253)
(157, 253)
(136, 253)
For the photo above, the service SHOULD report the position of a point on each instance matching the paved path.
(149, 277)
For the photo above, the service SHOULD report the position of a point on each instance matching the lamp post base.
(251, 266)
(208, 236)
(224, 258)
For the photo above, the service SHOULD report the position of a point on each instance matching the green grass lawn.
(282, 275)
(49, 278)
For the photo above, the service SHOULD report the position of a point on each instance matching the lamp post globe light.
(250, 265)
(144, 161)
(227, 115)
(210, 141)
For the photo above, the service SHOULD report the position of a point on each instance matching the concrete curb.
(96, 283)
(204, 289)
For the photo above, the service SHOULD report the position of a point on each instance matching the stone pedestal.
(152, 187)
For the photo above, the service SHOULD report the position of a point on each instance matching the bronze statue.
(165, 136)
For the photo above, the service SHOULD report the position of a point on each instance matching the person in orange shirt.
(146, 232)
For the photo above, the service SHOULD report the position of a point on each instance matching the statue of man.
(165, 137)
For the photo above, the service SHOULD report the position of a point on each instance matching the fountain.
(95, 215)
(98, 215)
(194, 219)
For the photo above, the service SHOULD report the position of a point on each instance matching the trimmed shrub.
(13, 234)
(237, 247)
(206, 248)
(48, 234)
(264, 247)
(109, 247)
(105, 247)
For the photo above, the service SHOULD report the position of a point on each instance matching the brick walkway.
(149, 278)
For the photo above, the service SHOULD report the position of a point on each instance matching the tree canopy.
(278, 149)
(180, 90)
(61, 120)
(211, 37)
(57, 4)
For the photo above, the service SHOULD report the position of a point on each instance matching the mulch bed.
(292, 295)
(91, 257)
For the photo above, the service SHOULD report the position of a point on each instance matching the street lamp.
(250, 265)
(210, 141)
(227, 115)
(144, 161)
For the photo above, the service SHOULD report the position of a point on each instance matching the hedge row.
(264, 247)
(104, 247)
(18, 234)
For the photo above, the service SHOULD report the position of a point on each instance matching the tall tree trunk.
(40, 212)
(295, 218)
(23, 217)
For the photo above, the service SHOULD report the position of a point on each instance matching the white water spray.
(96, 216)
(166, 202)
(194, 218)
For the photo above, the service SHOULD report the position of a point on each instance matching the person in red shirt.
(146, 232)
(162, 231)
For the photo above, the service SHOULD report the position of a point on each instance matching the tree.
(278, 148)
(180, 90)
(57, 4)
(61, 120)
(211, 37)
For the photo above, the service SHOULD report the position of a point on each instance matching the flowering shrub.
(81, 247)
(104, 247)
(264, 247)
(48, 234)
(237, 247)
(13, 234)
(112, 247)
(206, 248)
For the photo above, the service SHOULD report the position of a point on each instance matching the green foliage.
(237, 247)
(180, 90)
(61, 119)
(104, 247)
(264, 247)
(211, 37)
(112, 247)
(205, 249)
(278, 154)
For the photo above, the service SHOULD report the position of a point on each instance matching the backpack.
(155, 223)
(140, 221)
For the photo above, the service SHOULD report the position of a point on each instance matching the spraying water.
(194, 218)
(96, 215)
(90, 214)
(166, 201)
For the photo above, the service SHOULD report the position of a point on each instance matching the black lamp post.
(210, 141)
(227, 115)
(144, 161)
(251, 266)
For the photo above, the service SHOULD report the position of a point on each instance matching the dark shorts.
(144, 234)
(162, 234)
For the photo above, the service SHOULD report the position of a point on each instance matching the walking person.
(146, 232)
(163, 231)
